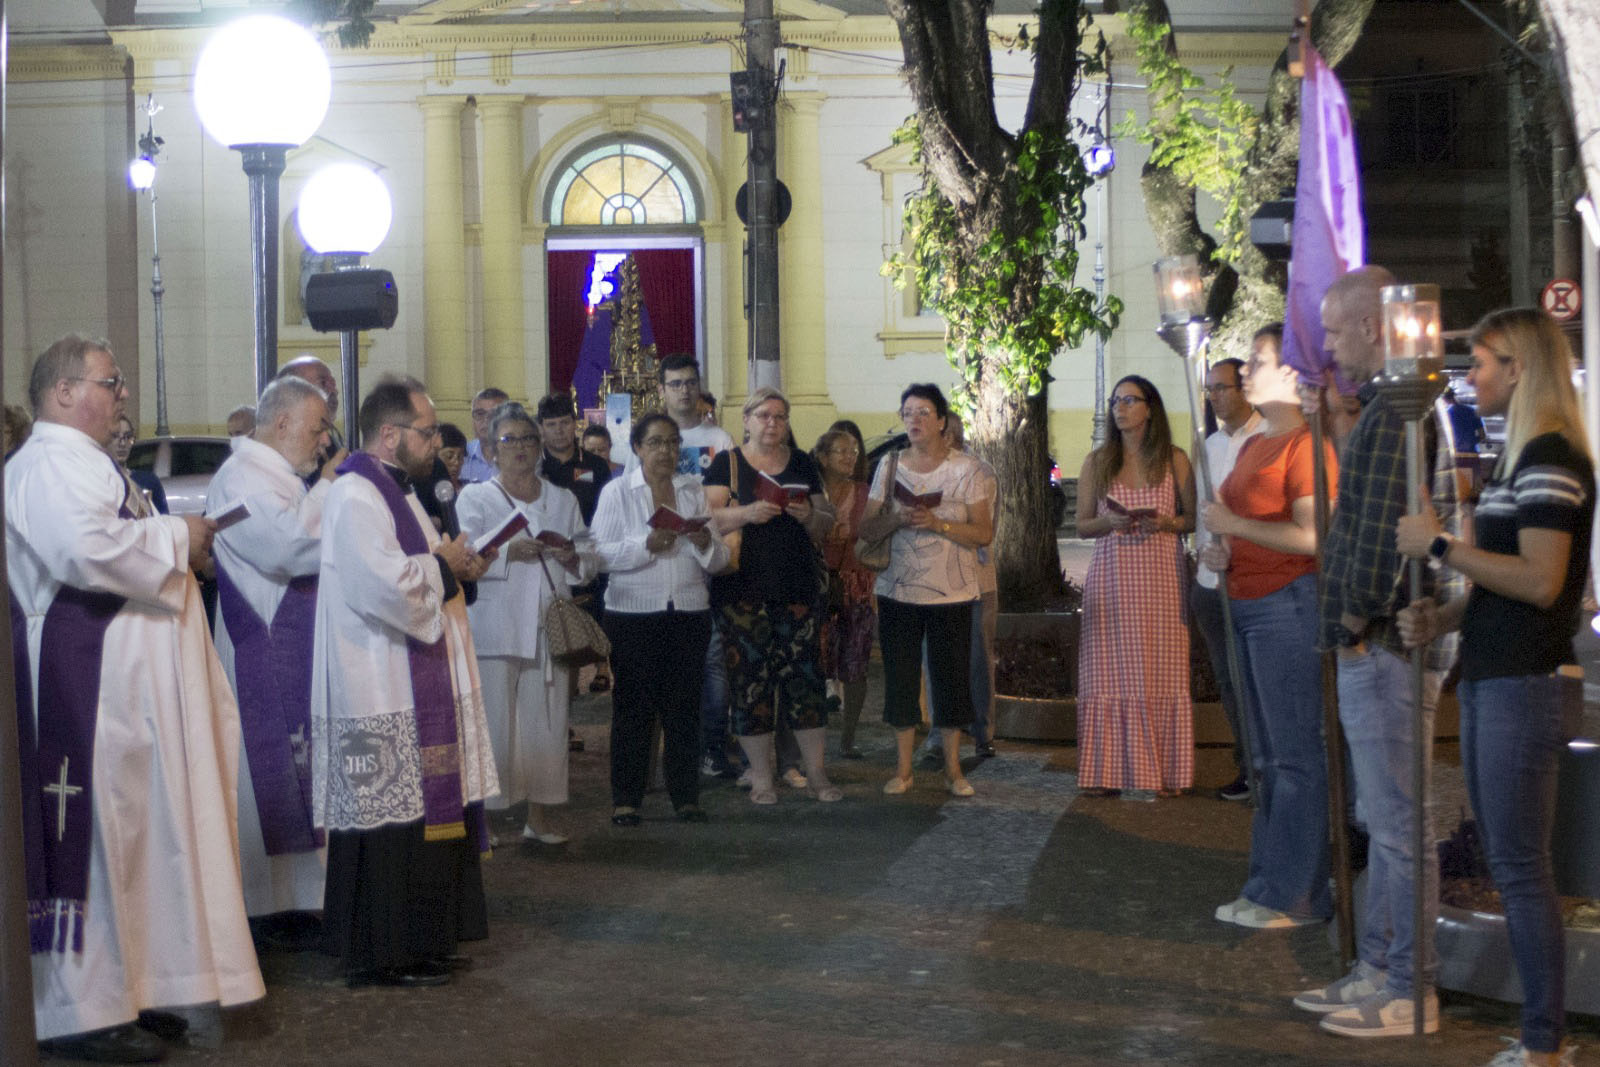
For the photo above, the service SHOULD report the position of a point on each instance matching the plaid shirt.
(1363, 573)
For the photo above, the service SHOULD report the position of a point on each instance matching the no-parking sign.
(1562, 298)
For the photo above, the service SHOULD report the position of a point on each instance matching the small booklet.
(1113, 504)
(782, 494)
(551, 539)
(907, 498)
(667, 519)
(515, 523)
(232, 517)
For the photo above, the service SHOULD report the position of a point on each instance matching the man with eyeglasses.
(401, 761)
(1237, 422)
(127, 772)
(476, 467)
(309, 368)
(267, 568)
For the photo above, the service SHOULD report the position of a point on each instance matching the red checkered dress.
(1135, 717)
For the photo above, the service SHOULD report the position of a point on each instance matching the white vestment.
(281, 540)
(165, 923)
(526, 696)
(371, 596)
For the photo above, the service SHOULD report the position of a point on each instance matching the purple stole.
(432, 693)
(272, 669)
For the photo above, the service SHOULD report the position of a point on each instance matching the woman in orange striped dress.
(1136, 498)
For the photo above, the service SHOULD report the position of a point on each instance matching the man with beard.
(401, 761)
(267, 584)
(134, 899)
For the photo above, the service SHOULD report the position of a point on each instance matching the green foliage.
(1003, 276)
(1203, 132)
(355, 29)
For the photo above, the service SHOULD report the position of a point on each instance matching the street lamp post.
(142, 176)
(1100, 160)
(262, 87)
(344, 213)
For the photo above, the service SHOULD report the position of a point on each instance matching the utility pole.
(761, 87)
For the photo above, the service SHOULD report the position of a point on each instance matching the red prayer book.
(782, 494)
(904, 496)
(667, 519)
(233, 516)
(515, 523)
(1113, 504)
(553, 539)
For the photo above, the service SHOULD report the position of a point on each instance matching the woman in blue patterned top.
(1526, 565)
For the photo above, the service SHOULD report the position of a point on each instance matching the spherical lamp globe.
(262, 80)
(344, 207)
(142, 173)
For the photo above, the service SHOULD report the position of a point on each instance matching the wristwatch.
(944, 528)
(1440, 548)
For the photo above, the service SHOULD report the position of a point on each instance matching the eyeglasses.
(123, 437)
(428, 432)
(1127, 401)
(1220, 387)
(769, 416)
(852, 453)
(659, 443)
(518, 439)
(917, 413)
(682, 384)
(113, 384)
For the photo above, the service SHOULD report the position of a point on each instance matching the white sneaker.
(1226, 912)
(1260, 917)
(1362, 982)
(1384, 1014)
(1514, 1055)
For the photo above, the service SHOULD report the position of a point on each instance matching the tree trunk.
(1574, 29)
(1013, 434)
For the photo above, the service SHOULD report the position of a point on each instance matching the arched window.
(622, 183)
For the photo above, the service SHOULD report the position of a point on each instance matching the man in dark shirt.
(1363, 589)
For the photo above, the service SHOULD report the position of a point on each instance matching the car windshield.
(198, 457)
(142, 457)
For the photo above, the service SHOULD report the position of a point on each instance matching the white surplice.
(366, 766)
(281, 540)
(166, 922)
(526, 695)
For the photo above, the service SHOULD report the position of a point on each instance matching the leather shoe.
(118, 1044)
(985, 749)
(625, 817)
(455, 962)
(163, 1024)
(415, 976)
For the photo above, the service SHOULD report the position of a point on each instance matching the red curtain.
(567, 277)
(666, 278)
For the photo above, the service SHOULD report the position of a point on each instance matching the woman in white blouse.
(658, 616)
(526, 695)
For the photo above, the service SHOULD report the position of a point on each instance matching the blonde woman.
(1527, 562)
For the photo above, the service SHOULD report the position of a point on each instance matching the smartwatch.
(1440, 548)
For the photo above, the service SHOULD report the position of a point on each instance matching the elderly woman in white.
(526, 696)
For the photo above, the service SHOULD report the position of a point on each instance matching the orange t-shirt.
(1269, 476)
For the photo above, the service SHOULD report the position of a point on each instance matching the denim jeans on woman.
(1281, 671)
(1375, 709)
(1510, 744)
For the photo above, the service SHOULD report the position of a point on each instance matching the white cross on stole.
(63, 793)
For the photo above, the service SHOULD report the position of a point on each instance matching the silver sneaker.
(1362, 982)
(1384, 1014)
(1514, 1055)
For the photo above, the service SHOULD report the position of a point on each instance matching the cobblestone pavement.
(1028, 926)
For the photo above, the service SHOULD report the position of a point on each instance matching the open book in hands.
(782, 494)
(1113, 504)
(515, 523)
(667, 519)
(906, 498)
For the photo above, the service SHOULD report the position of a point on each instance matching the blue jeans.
(1281, 671)
(714, 698)
(1205, 608)
(1510, 744)
(1375, 709)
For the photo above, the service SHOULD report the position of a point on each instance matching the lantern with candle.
(1412, 344)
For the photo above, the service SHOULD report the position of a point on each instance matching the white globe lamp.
(262, 86)
(142, 173)
(344, 209)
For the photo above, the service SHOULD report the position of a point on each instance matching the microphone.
(444, 493)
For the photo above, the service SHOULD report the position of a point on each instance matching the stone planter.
(1033, 718)
(1475, 958)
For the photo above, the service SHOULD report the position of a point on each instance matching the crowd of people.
(382, 677)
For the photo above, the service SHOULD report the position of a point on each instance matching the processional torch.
(1413, 377)
(1186, 328)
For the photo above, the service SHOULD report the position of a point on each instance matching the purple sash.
(272, 668)
(432, 694)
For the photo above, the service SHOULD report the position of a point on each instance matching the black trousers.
(658, 662)
(395, 900)
(947, 628)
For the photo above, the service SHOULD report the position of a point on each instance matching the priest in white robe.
(267, 566)
(133, 872)
(401, 761)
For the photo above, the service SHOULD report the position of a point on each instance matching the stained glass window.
(622, 183)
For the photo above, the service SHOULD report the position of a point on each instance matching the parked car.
(881, 444)
(184, 465)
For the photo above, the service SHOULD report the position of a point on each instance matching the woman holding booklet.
(1135, 497)
(939, 510)
(651, 527)
(525, 694)
(769, 610)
